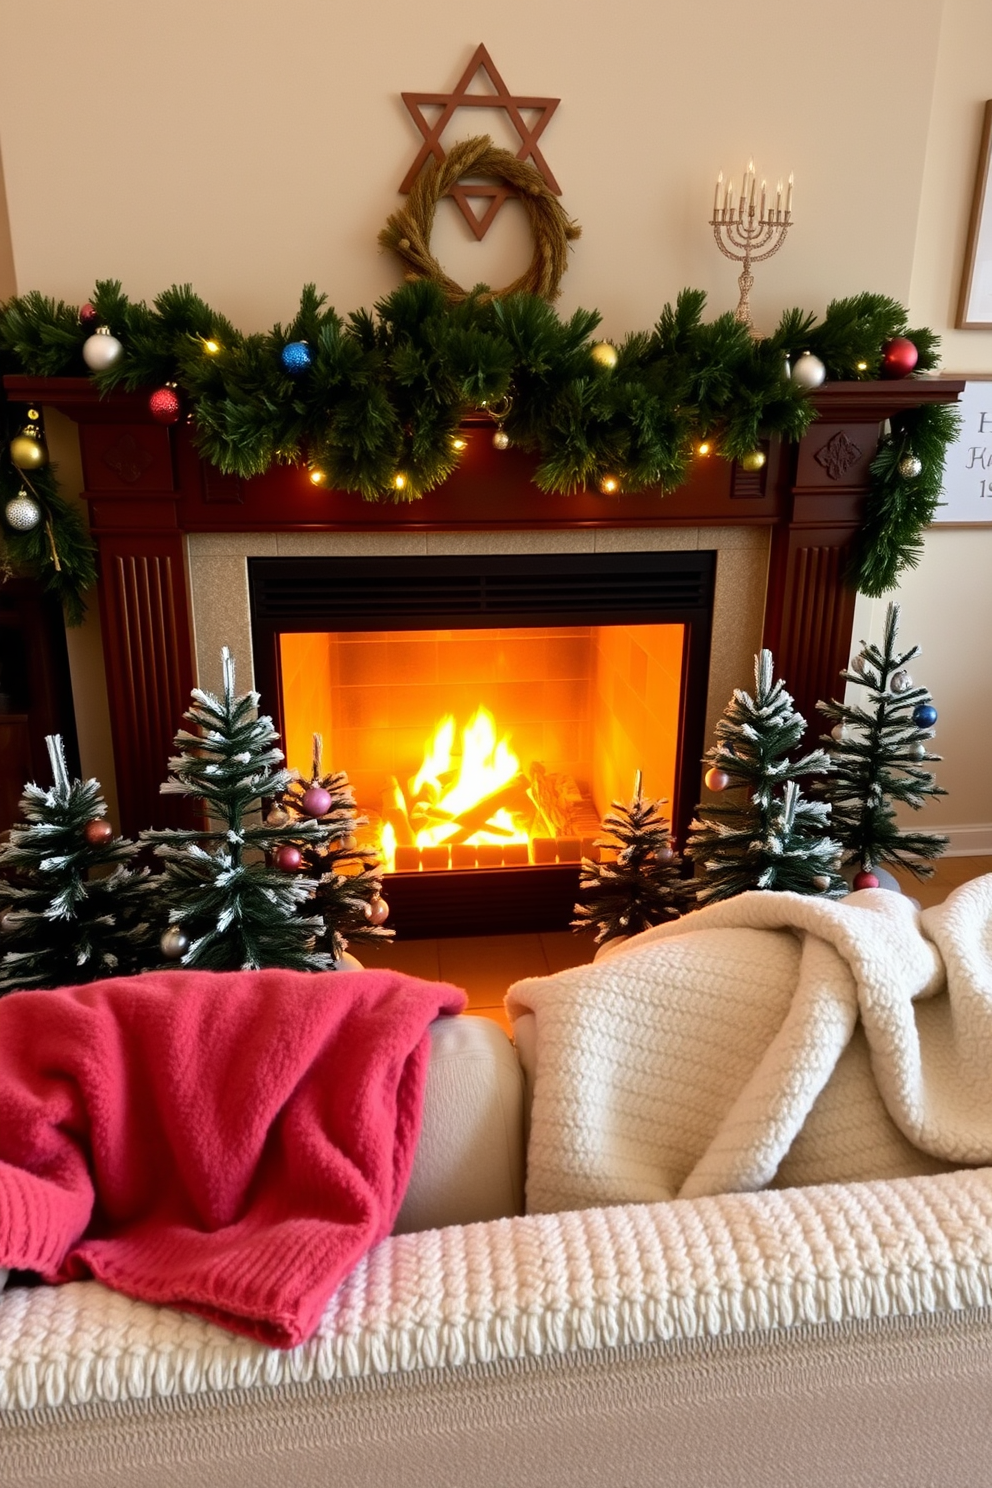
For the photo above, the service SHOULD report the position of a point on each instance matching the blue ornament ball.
(924, 716)
(296, 358)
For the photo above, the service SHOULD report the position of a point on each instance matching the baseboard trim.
(965, 842)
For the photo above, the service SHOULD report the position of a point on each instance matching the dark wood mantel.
(146, 488)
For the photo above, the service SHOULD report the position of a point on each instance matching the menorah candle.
(764, 187)
(716, 194)
(788, 199)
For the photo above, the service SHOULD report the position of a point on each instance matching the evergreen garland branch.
(380, 406)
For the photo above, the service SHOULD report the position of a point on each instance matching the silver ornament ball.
(174, 943)
(809, 371)
(501, 440)
(910, 466)
(21, 513)
(101, 350)
(917, 751)
(838, 733)
(900, 681)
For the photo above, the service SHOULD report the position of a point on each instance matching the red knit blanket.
(229, 1143)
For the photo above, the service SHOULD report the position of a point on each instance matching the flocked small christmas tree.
(229, 906)
(65, 919)
(877, 751)
(348, 875)
(770, 837)
(642, 886)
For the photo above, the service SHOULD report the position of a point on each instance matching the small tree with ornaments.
(233, 890)
(878, 750)
(639, 884)
(348, 875)
(767, 835)
(71, 908)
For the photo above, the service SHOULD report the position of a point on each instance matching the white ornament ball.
(22, 513)
(910, 466)
(501, 440)
(900, 681)
(838, 733)
(858, 664)
(809, 371)
(174, 943)
(821, 881)
(101, 350)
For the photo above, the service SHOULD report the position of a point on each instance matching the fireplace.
(177, 540)
(487, 709)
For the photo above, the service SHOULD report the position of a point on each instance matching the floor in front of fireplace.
(486, 965)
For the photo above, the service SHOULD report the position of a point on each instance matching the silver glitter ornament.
(501, 440)
(21, 513)
(174, 943)
(910, 466)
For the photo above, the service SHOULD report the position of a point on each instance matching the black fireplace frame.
(483, 591)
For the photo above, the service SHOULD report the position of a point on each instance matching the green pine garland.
(379, 408)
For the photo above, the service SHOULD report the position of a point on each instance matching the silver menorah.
(749, 232)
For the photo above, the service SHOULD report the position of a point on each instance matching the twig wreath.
(408, 231)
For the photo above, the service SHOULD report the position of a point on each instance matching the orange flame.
(487, 763)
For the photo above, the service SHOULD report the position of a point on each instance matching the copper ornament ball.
(98, 833)
(716, 780)
(27, 450)
(174, 943)
(377, 910)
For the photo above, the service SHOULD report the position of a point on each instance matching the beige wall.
(251, 147)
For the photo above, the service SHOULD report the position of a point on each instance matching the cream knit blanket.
(770, 1038)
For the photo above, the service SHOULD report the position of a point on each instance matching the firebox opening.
(487, 748)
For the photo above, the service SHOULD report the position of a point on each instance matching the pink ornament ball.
(88, 317)
(664, 854)
(716, 780)
(287, 857)
(865, 880)
(377, 910)
(164, 405)
(899, 357)
(316, 801)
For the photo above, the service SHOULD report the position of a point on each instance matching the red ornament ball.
(316, 801)
(88, 317)
(287, 857)
(377, 910)
(865, 880)
(899, 357)
(98, 832)
(164, 405)
(716, 780)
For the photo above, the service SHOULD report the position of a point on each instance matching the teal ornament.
(296, 358)
(924, 716)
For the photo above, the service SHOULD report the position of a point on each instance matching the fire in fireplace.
(487, 711)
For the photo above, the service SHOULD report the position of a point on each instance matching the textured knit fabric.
(231, 1143)
(688, 1060)
(540, 1286)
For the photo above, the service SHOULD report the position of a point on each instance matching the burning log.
(555, 799)
(394, 812)
(510, 797)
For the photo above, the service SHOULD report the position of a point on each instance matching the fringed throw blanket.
(229, 1143)
(768, 1038)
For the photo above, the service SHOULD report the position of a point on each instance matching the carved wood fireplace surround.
(151, 499)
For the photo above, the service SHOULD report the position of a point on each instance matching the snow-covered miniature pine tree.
(348, 875)
(878, 750)
(65, 919)
(233, 891)
(764, 837)
(642, 885)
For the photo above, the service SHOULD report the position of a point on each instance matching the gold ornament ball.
(28, 452)
(501, 440)
(753, 460)
(604, 355)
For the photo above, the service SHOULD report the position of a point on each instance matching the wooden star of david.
(499, 98)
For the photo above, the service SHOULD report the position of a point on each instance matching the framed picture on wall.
(975, 308)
